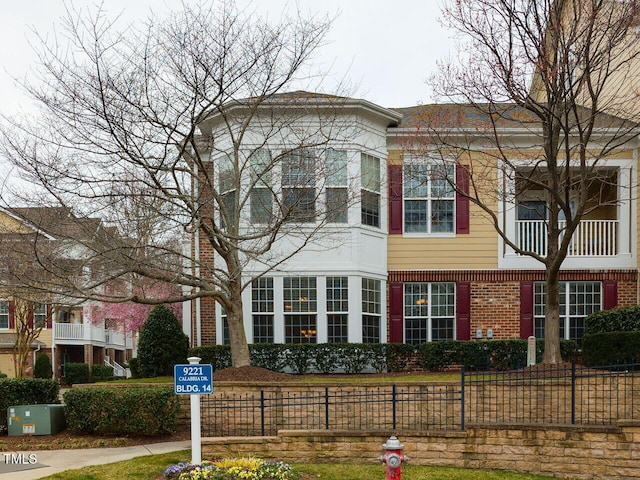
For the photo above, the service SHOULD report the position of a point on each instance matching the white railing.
(69, 331)
(592, 238)
(78, 331)
(118, 370)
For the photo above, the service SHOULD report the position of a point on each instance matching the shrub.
(121, 411)
(610, 348)
(3, 375)
(101, 373)
(26, 391)
(76, 373)
(268, 355)
(162, 343)
(134, 367)
(400, 356)
(217, 355)
(298, 357)
(621, 319)
(42, 367)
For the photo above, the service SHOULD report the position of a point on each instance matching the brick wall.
(611, 452)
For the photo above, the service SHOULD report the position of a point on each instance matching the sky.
(385, 49)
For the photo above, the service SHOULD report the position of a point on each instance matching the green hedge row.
(25, 391)
(121, 411)
(391, 357)
(611, 348)
(621, 319)
(496, 355)
(77, 373)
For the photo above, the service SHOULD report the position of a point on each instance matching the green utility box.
(44, 419)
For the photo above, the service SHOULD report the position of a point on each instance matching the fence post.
(393, 403)
(462, 398)
(573, 392)
(262, 407)
(326, 408)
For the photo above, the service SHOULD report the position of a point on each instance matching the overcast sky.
(386, 48)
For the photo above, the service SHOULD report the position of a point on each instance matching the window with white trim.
(40, 315)
(4, 314)
(300, 309)
(337, 309)
(262, 309)
(429, 197)
(371, 310)
(227, 188)
(429, 312)
(336, 191)
(577, 300)
(299, 186)
(261, 201)
(370, 193)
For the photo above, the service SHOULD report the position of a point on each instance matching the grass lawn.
(152, 466)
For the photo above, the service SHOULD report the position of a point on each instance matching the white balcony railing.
(69, 331)
(592, 238)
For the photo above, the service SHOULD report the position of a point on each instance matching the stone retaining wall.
(611, 452)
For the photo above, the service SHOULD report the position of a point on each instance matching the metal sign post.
(194, 380)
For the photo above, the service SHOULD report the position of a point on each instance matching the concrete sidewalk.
(28, 465)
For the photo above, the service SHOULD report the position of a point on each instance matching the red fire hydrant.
(393, 458)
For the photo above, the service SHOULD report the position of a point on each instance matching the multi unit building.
(415, 260)
(71, 332)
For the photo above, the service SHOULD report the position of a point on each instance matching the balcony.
(79, 333)
(592, 238)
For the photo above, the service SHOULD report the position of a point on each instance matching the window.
(226, 339)
(298, 186)
(261, 194)
(429, 198)
(300, 306)
(40, 315)
(337, 309)
(370, 194)
(371, 308)
(262, 309)
(429, 311)
(4, 314)
(227, 181)
(337, 198)
(577, 300)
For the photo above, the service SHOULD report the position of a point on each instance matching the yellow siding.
(10, 224)
(478, 249)
(46, 336)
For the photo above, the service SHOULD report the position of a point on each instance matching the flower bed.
(231, 469)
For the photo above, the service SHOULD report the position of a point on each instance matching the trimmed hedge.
(75, 373)
(621, 319)
(610, 348)
(495, 354)
(25, 391)
(354, 358)
(101, 373)
(121, 411)
(42, 368)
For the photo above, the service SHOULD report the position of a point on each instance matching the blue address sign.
(193, 379)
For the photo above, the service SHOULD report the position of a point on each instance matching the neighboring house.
(423, 264)
(69, 334)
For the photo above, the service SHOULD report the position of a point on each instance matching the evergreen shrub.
(42, 367)
(25, 391)
(76, 373)
(162, 343)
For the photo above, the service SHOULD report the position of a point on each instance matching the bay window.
(370, 192)
(299, 186)
(371, 310)
(300, 309)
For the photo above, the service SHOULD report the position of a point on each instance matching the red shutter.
(12, 320)
(609, 294)
(463, 311)
(462, 200)
(395, 198)
(526, 309)
(396, 317)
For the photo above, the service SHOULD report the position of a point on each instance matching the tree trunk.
(239, 347)
(552, 319)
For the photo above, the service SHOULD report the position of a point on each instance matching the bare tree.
(30, 318)
(164, 131)
(537, 97)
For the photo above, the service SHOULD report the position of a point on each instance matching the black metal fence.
(555, 394)
(424, 407)
(564, 394)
